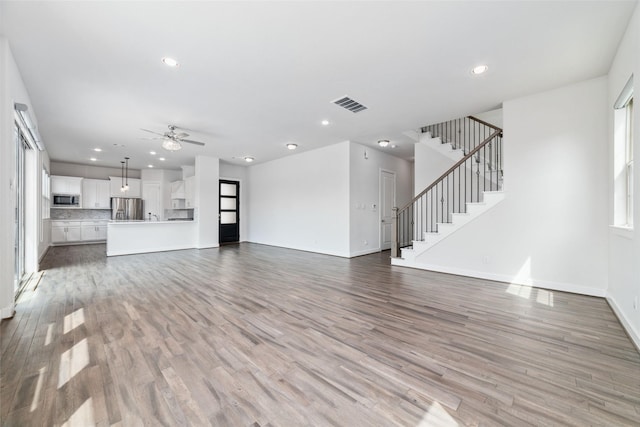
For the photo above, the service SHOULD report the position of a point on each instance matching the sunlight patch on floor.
(544, 297)
(73, 361)
(73, 320)
(49, 337)
(523, 276)
(437, 416)
(36, 394)
(523, 291)
(83, 416)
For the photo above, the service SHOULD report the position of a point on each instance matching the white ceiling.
(254, 76)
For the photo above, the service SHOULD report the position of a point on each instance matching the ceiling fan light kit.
(171, 145)
(172, 141)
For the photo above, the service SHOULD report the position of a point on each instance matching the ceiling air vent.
(349, 104)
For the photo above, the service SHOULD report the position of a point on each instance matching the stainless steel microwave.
(66, 200)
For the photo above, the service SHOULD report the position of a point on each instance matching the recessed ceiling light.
(249, 159)
(153, 153)
(170, 62)
(393, 145)
(161, 159)
(325, 122)
(150, 166)
(292, 146)
(93, 159)
(383, 142)
(97, 150)
(479, 69)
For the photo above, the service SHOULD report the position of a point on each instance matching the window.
(623, 157)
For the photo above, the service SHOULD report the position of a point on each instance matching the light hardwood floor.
(252, 335)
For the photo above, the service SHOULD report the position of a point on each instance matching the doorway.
(387, 203)
(229, 215)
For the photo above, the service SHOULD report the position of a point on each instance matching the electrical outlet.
(635, 303)
(366, 243)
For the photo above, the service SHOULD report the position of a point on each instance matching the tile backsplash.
(80, 213)
(178, 213)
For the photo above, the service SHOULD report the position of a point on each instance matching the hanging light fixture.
(170, 144)
(122, 176)
(126, 184)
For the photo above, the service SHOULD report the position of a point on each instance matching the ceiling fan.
(172, 140)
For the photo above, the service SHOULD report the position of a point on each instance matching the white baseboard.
(148, 250)
(304, 249)
(216, 245)
(544, 284)
(8, 312)
(365, 252)
(628, 327)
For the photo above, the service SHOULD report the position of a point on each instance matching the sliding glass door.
(21, 149)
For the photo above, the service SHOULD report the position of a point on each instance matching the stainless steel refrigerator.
(127, 209)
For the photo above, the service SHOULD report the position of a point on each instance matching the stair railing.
(465, 133)
(479, 170)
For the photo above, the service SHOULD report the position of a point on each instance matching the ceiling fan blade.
(191, 142)
(150, 131)
(182, 135)
(155, 138)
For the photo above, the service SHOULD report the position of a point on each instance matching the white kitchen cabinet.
(190, 192)
(65, 231)
(135, 187)
(66, 185)
(96, 194)
(93, 230)
(177, 190)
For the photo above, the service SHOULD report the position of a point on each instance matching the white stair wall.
(458, 220)
(445, 149)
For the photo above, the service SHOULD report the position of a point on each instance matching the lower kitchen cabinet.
(78, 231)
(65, 231)
(93, 230)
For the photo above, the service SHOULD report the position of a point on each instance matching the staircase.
(468, 189)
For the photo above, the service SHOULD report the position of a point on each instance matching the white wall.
(302, 201)
(12, 90)
(494, 117)
(45, 242)
(89, 171)
(239, 173)
(624, 245)
(550, 231)
(364, 192)
(207, 200)
(429, 166)
(164, 177)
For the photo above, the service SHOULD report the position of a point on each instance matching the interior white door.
(152, 202)
(387, 203)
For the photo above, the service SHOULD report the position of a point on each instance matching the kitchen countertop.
(79, 220)
(139, 222)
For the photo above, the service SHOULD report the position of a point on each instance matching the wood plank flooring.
(252, 335)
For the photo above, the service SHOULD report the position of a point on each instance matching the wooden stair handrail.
(455, 166)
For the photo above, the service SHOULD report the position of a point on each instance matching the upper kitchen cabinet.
(190, 192)
(96, 194)
(66, 185)
(177, 190)
(135, 187)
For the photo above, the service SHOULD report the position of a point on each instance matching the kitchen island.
(135, 237)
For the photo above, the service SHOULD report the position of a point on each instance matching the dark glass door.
(229, 211)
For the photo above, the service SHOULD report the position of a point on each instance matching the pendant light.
(126, 184)
(122, 176)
